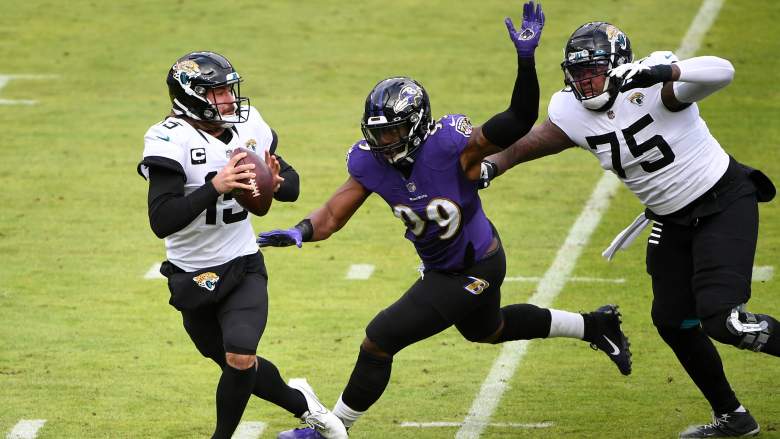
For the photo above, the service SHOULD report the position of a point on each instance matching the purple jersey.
(439, 205)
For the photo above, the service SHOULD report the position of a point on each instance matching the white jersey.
(221, 232)
(668, 159)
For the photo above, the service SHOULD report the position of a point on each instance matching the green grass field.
(92, 347)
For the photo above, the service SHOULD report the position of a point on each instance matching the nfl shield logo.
(411, 187)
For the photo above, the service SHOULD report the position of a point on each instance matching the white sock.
(347, 415)
(566, 324)
(740, 409)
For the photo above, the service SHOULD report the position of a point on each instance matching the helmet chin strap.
(398, 158)
(600, 102)
(597, 102)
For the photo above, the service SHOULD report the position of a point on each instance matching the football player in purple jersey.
(427, 171)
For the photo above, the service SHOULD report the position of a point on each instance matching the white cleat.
(318, 416)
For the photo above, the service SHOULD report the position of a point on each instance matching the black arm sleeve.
(291, 187)
(505, 128)
(169, 209)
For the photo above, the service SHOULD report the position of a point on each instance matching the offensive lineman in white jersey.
(216, 275)
(641, 121)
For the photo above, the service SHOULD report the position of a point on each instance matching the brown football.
(258, 201)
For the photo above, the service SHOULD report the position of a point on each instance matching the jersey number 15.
(228, 216)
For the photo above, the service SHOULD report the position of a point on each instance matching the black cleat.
(608, 337)
(733, 424)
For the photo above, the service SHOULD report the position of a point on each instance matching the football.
(258, 200)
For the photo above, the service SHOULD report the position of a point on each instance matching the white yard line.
(249, 430)
(762, 273)
(360, 271)
(154, 272)
(26, 429)
(554, 279)
(550, 285)
(5, 79)
(618, 280)
(546, 424)
(701, 23)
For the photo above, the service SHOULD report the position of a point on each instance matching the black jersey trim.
(162, 162)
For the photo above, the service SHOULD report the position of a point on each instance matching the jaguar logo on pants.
(207, 280)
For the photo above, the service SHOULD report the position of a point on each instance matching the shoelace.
(718, 421)
(314, 423)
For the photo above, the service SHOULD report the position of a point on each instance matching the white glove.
(627, 71)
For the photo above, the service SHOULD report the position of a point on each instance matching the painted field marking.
(26, 429)
(619, 280)
(554, 279)
(5, 79)
(249, 430)
(300, 382)
(154, 272)
(360, 271)
(550, 285)
(762, 273)
(545, 424)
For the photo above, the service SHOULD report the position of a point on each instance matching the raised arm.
(504, 128)
(544, 139)
(322, 222)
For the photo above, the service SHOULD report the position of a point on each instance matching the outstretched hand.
(280, 238)
(530, 33)
(274, 166)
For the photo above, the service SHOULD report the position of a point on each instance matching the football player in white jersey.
(641, 121)
(216, 275)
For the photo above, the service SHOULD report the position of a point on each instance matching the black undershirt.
(170, 210)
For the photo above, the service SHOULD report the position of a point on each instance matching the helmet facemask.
(394, 141)
(590, 83)
(195, 78)
(397, 119)
(240, 106)
(591, 52)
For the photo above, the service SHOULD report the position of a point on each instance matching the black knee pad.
(750, 331)
(240, 339)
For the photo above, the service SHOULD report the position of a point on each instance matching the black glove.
(487, 171)
(636, 75)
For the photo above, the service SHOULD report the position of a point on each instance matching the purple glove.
(531, 31)
(280, 238)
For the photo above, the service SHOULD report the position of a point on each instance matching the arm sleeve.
(505, 128)
(702, 76)
(169, 209)
(291, 186)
